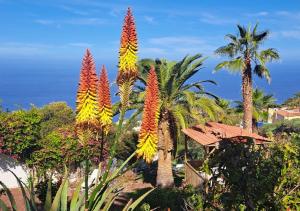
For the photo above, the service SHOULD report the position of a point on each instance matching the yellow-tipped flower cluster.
(127, 59)
(128, 51)
(148, 136)
(86, 105)
(105, 107)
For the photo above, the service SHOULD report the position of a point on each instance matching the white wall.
(7, 177)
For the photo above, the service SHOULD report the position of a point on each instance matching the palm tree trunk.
(247, 96)
(164, 176)
(254, 126)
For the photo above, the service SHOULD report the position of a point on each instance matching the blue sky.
(43, 41)
(58, 30)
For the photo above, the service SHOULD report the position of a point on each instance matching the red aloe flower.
(86, 103)
(104, 101)
(148, 136)
(128, 51)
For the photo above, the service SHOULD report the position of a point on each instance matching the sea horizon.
(43, 83)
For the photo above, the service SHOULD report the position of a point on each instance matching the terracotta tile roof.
(289, 113)
(212, 132)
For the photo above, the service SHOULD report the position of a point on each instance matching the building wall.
(7, 177)
(293, 117)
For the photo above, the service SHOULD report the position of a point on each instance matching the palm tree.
(243, 50)
(261, 103)
(181, 103)
(230, 116)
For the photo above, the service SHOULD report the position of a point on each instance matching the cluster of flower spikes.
(148, 136)
(93, 105)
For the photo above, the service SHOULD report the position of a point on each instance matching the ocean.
(23, 84)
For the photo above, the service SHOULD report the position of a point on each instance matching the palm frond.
(261, 36)
(235, 65)
(269, 55)
(242, 30)
(262, 72)
(227, 50)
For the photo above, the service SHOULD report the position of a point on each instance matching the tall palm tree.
(181, 103)
(243, 50)
(261, 103)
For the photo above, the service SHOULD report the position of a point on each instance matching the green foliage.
(230, 116)
(285, 129)
(60, 147)
(287, 189)
(55, 115)
(194, 202)
(294, 101)
(128, 144)
(20, 133)
(173, 198)
(255, 178)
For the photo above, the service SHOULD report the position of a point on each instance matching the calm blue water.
(39, 82)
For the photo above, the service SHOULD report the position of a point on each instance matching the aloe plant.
(102, 196)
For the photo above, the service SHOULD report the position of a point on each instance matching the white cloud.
(291, 34)
(153, 50)
(149, 19)
(258, 14)
(23, 49)
(115, 12)
(176, 47)
(85, 21)
(290, 15)
(73, 10)
(72, 21)
(173, 41)
(212, 19)
(81, 44)
(44, 21)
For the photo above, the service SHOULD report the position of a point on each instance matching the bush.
(173, 198)
(255, 177)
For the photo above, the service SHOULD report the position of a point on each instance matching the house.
(209, 136)
(276, 114)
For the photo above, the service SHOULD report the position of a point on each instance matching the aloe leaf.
(80, 203)
(75, 197)
(96, 192)
(30, 204)
(106, 195)
(56, 201)
(93, 202)
(3, 206)
(48, 200)
(138, 201)
(10, 196)
(110, 201)
(64, 196)
(116, 172)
